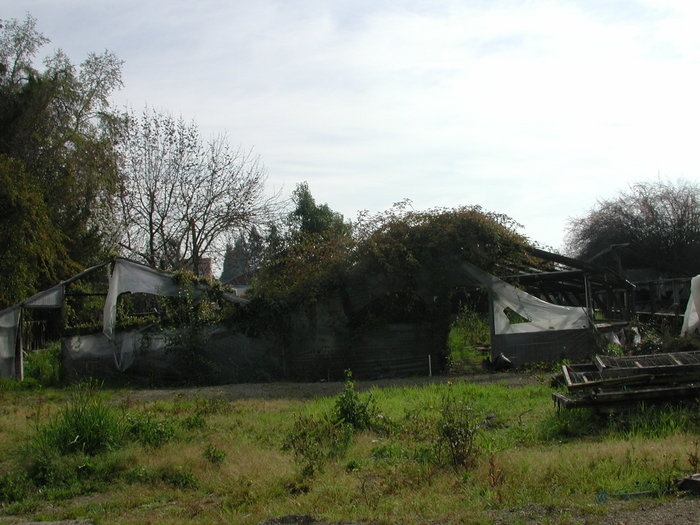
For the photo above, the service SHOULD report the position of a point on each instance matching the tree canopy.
(57, 135)
(309, 218)
(30, 243)
(301, 252)
(244, 256)
(181, 197)
(408, 256)
(652, 225)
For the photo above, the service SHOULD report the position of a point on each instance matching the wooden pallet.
(610, 380)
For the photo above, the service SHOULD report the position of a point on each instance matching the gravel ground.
(281, 390)
(679, 512)
(641, 512)
(676, 512)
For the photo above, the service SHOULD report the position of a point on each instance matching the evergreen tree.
(244, 257)
(235, 260)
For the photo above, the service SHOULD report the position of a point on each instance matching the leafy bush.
(180, 477)
(566, 424)
(614, 349)
(194, 422)
(214, 455)
(44, 365)
(193, 319)
(14, 486)
(400, 249)
(351, 409)
(214, 405)
(469, 331)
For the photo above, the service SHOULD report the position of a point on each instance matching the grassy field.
(452, 451)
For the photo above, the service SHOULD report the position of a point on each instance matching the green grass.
(469, 332)
(191, 459)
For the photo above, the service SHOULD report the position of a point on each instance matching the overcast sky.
(535, 109)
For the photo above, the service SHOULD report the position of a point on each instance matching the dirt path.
(282, 390)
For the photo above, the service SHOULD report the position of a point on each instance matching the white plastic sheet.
(691, 318)
(535, 314)
(9, 325)
(126, 277)
(131, 277)
(9, 321)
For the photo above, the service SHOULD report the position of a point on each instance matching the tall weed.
(313, 441)
(457, 428)
(652, 421)
(87, 425)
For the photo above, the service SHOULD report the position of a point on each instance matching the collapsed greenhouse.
(321, 342)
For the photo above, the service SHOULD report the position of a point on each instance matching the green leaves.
(58, 167)
(31, 246)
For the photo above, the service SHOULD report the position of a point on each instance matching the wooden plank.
(649, 393)
(600, 364)
(613, 382)
(567, 376)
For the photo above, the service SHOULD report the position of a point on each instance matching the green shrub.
(14, 487)
(640, 421)
(567, 424)
(12, 385)
(194, 422)
(351, 409)
(140, 474)
(652, 341)
(468, 333)
(44, 366)
(214, 455)
(614, 349)
(211, 406)
(178, 477)
(653, 421)
(61, 455)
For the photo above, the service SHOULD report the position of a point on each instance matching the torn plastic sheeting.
(127, 276)
(538, 314)
(9, 320)
(691, 318)
(9, 325)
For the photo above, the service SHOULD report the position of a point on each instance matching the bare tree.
(181, 197)
(654, 225)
